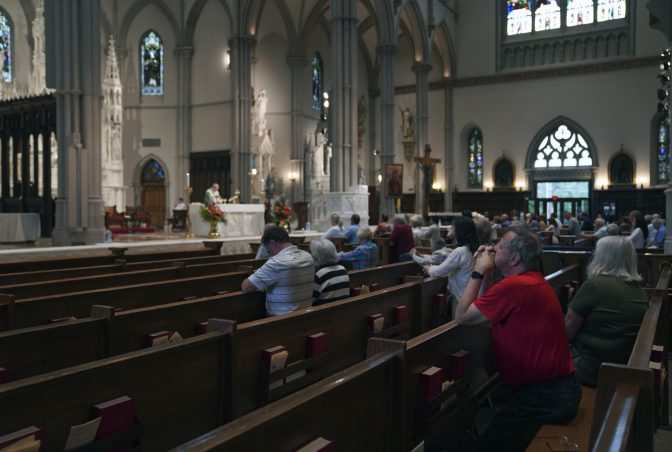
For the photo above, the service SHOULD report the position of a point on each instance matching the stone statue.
(361, 120)
(261, 106)
(327, 159)
(318, 155)
(270, 184)
(407, 123)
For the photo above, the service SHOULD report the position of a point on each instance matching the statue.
(270, 184)
(318, 155)
(327, 159)
(407, 123)
(361, 120)
(261, 106)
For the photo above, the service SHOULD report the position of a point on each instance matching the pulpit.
(242, 220)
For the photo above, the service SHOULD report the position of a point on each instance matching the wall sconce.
(325, 102)
(641, 181)
(292, 176)
(437, 186)
(488, 185)
(253, 172)
(603, 183)
(227, 59)
(520, 185)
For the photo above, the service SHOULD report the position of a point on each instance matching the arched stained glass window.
(610, 10)
(153, 172)
(151, 64)
(563, 148)
(663, 150)
(475, 156)
(580, 12)
(518, 17)
(318, 88)
(5, 47)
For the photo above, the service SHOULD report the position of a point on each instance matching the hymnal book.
(440, 299)
(175, 337)
(318, 445)
(274, 359)
(316, 344)
(459, 364)
(374, 286)
(202, 327)
(82, 434)
(364, 289)
(116, 415)
(158, 338)
(5, 376)
(62, 319)
(377, 323)
(431, 381)
(401, 314)
(355, 291)
(31, 434)
(27, 444)
(657, 353)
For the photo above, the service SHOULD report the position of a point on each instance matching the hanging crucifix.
(427, 165)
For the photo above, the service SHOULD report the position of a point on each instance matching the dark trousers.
(516, 422)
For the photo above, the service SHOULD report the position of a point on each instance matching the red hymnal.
(459, 364)
(318, 445)
(158, 338)
(28, 432)
(355, 291)
(5, 376)
(376, 322)
(401, 314)
(440, 299)
(316, 344)
(201, 327)
(657, 353)
(374, 286)
(274, 359)
(431, 381)
(116, 415)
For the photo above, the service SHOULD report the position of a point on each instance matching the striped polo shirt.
(287, 279)
(331, 283)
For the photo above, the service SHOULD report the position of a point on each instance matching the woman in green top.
(604, 317)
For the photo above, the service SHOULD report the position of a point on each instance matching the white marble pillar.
(297, 65)
(241, 72)
(343, 109)
(421, 126)
(448, 155)
(374, 94)
(387, 53)
(184, 55)
(75, 60)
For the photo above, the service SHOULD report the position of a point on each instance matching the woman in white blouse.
(639, 232)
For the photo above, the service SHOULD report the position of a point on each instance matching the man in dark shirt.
(586, 224)
(401, 239)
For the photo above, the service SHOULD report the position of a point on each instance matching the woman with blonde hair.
(336, 229)
(604, 317)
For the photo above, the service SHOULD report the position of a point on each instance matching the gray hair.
(364, 233)
(323, 252)
(599, 222)
(614, 256)
(657, 221)
(416, 221)
(483, 229)
(399, 218)
(526, 245)
(613, 229)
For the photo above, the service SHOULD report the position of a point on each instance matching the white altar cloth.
(19, 227)
(242, 220)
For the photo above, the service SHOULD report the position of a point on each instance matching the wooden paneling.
(154, 202)
(207, 168)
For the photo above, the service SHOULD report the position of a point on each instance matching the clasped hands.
(484, 259)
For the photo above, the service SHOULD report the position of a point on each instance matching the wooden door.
(153, 193)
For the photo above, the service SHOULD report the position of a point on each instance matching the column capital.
(422, 68)
(297, 61)
(386, 49)
(185, 52)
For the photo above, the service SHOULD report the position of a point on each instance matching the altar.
(242, 220)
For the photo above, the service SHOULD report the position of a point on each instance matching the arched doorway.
(153, 192)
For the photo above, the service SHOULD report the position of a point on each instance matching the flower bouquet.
(281, 213)
(213, 215)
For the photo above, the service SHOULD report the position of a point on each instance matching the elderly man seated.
(365, 255)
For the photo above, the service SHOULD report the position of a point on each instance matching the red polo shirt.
(402, 237)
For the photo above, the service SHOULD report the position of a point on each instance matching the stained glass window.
(153, 172)
(318, 89)
(475, 153)
(518, 17)
(563, 148)
(151, 64)
(663, 151)
(5, 47)
(547, 15)
(580, 12)
(610, 10)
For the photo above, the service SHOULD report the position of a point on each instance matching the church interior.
(147, 147)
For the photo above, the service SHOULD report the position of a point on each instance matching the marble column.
(343, 109)
(184, 55)
(421, 126)
(297, 65)
(241, 72)
(74, 70)
(387, 53)
(374, 94)
(448, 155)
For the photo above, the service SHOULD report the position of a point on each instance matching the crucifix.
(427, 165)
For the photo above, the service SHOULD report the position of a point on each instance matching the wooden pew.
(41, 310)
(365, 391)
(179, 391)
(384, 252)
(385, 275)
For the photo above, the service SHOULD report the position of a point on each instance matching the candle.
(188, 180)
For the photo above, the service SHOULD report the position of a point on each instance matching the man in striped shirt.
(331, 280)
(287, 276)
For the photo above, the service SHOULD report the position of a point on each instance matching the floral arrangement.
(212, 214)
(281, 213)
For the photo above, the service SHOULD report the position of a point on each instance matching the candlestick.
(188, 180)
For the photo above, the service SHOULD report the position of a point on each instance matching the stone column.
(387, 53)
(75, 60)
(297, 64)
(374, 94)
(241, 72)
(421, 125)
(343, 99)
(184, 55)
(448, 158)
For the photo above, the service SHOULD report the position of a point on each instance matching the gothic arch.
(133, 12)
(550, 127)
(195, 14)
(106, 27)
(496, 178)
(137, 172)
(444, 45)
(253, 14)
(29, 12)
(411, 15)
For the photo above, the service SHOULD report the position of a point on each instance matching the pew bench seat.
(577, 430)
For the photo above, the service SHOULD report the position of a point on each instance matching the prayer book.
(158, 338)
(116, 415)
(82, 434)
(401, 314)
(459, 364)
(377, 323)
(26, 439)
(5, 376)
(274, 359)
(317, 344)
(201, 327)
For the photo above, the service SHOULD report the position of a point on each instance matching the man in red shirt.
(528, 337)
(401, 239)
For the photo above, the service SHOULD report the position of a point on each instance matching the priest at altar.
(212, 195)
